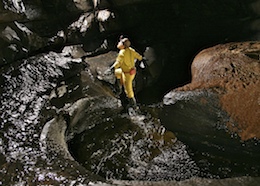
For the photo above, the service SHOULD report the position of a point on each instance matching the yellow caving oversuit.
(125, 67)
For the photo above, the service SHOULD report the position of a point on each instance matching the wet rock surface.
(132, 148)
(23, 117)
(30, 154)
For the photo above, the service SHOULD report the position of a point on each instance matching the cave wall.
(177, 30)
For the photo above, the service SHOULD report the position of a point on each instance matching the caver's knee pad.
(118, 73)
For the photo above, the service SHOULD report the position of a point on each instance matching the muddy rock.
(233, 71)
(217, 114)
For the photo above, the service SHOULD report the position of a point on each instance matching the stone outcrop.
(217, 114)
(233, 71)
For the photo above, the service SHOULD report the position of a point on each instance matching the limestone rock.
(232, 70)
(217, 114)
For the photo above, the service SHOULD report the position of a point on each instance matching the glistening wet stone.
(132, 148)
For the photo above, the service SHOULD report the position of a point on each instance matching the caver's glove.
(143, 63)
(109, 71)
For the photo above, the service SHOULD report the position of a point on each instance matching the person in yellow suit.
(125, 68)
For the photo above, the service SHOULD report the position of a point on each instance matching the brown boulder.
(233, 72)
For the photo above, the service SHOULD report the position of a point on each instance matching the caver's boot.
(133, 109)
(118, 87)
(132, 103)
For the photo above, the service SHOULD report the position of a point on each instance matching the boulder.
(217, 114)
(233, 71)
